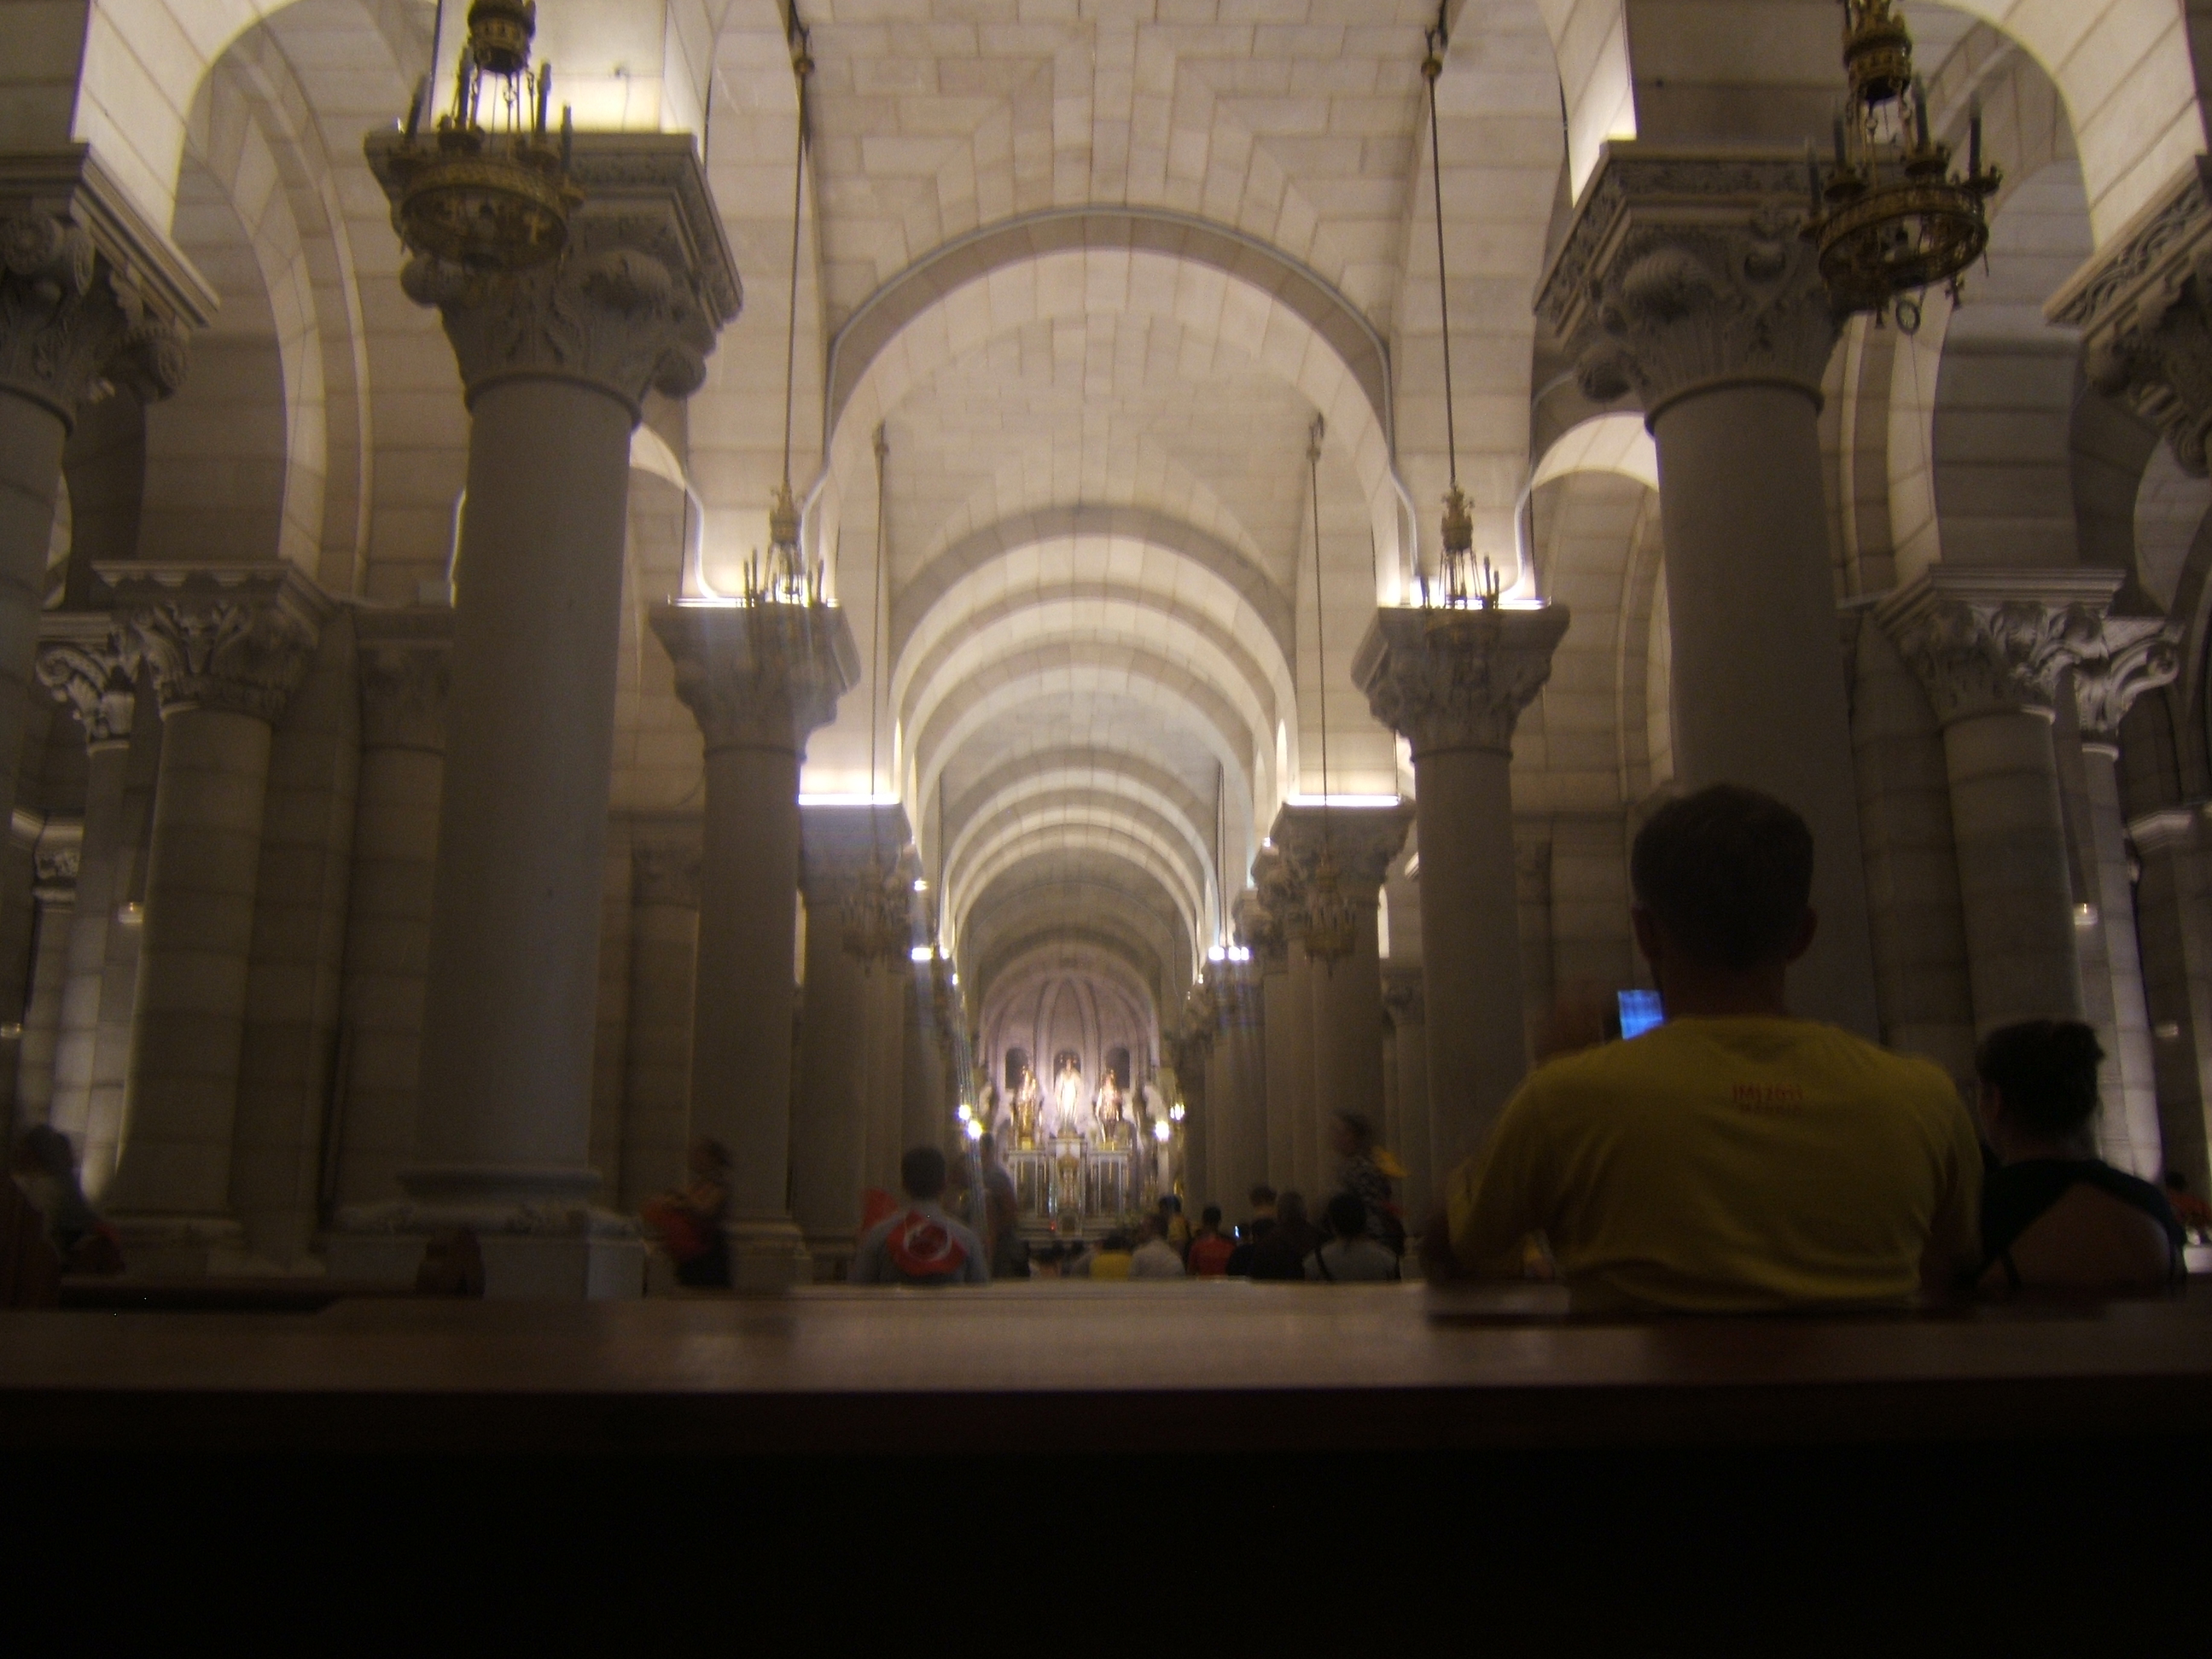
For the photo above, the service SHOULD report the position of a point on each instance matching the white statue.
(1071, 1117)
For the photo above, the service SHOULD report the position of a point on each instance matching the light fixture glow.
(921, 953)
(1356, 803)
(846, 798)
(1161, 1132)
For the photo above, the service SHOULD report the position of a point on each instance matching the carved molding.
(665, 866)
(634, 302)
(2144, 305)
(92, 295)
(406, 659)
(1684, 271)
(2140, 654)
(1457, 679)
(836, 843)
(1280, 894)
(759, 676)
(2169, 830)
(236, 638)
(1998, 641)
(1259, 932)
(1364, 839)
(56, 858)
(91, 664)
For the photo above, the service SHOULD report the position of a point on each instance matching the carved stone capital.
(759, 675)
(1280, 893)
(2144, 308)
(2140, 654)
(1998, 641)
(632, 304)
(837, 843)
(1457, 679)
(1684, 271)
(406, 673)
(92, 295)
(1259, 932)
(1406, 999)
(237, 638)
(1363, 839)
(91, 662)
(664, 860)
(1201, 1012)
(55, 859)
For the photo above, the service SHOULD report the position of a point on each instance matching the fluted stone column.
(761, 679)
(556, 361)
(1992, 647)
(829, 1125)
(1404, 997)
(1239, 1031)
(2140, 654)
(56, 861)
(664, 897)
(89, 666)
(1347, 992)
(92, 296)
(227, 646)
(405, 659)
(2173, 907)
(1281, 890)
(1684, 279)
(1258, 929)
(1454, 687)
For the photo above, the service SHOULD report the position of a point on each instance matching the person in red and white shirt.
(919, 1243)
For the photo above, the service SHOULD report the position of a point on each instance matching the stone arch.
(1084, 810)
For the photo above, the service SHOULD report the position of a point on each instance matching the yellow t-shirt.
(1727, 1166)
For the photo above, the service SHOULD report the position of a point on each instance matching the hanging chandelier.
(490, 191)
(878, 917)
(1889, 218)
(1329, 933)
(783, 577)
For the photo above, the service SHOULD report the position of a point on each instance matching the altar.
(1068, 1180)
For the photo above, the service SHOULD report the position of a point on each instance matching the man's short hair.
(1211, 1215)
(1727, 873)
(1262, 1194)
(2046, 1072)
(1347, 1216)
(921, 1172)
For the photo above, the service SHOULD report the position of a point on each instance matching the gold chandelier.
(1889, 218)
(496, 197)
(877, 924)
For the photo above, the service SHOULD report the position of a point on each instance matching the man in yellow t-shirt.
(1735, 1159)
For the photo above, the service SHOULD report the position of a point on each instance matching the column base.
(568, 1253)
(195, 1247)
(768, 1254)
(831, 1255)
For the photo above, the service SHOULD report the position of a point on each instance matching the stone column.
(1347, 991)
(2140, 654)
(760, 678)
(404, 660)
(91, 297)
(84, 660)
(56, 861)
(1991, 646)
(556, 361)
(1283, 893)
(1239, 1031)
(1454, 686)
(1403, 996)
(658, 1048)
(1683, 279)
(2173, 907)
(829, 1126)
(227, 646)
(1260, 932)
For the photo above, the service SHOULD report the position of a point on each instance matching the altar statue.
(1028, 1101)
(1113, 1128)
(1070, 1119)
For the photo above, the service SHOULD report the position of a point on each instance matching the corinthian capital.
(1280, 894)
(634, 303)
(2144, 308)
(1996, 641)
(1684, 271)
(406, 664)
(1259, 930)
(1457, 679)
(2140, 654)
(1362, 840)
(90, 663)
(759, 675)
(92, 296)
(237, 638)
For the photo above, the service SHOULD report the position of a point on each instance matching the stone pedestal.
(227, 648)
(1990, 647)
(90, 665)
(92, 298)
(1683, 279)
(556, 361)
(830, 1125)
(1347, 991)
(1454, 683)
(405, 664)
(759, 679)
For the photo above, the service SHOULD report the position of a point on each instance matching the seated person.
(690, 1218)
(1735, 1159)
(46, 1164)
(1210, 1250)
(1113, 1257)
(1281, 1251)
(1154, 1257)
(917, 1243)
(2055, 1215)
(1351, 1254)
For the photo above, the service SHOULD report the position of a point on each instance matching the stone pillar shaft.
(55, 894)
(664, 964)
(2129, 1134)
(2173, 905)
(1409, 1033)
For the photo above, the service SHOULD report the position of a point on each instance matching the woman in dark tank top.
(2055, 1215)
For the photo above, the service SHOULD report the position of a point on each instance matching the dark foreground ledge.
(1217, 1369)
